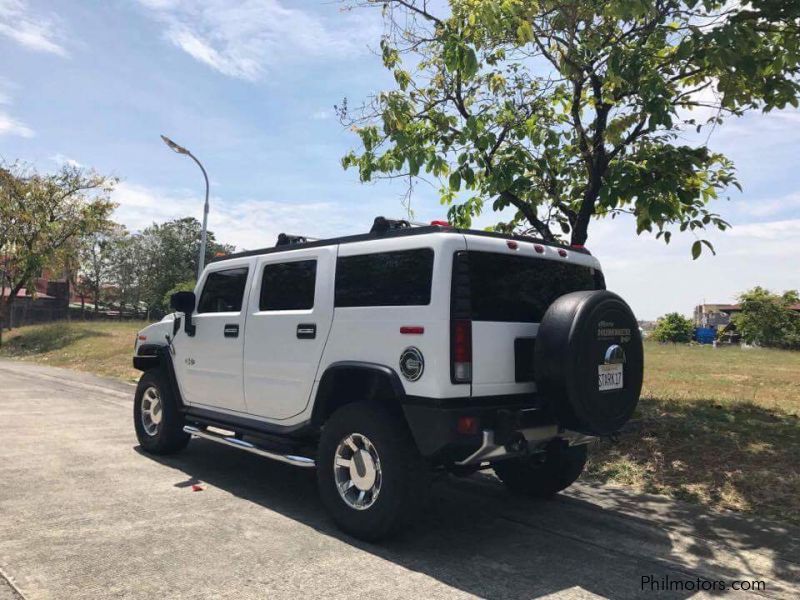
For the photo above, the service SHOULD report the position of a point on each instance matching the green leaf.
(455, 181)
(469, 64)
(697, 248)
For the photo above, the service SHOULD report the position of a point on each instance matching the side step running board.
(297, 461)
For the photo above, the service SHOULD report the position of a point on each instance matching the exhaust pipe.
(289, 459)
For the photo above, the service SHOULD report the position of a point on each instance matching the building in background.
(49, 302)
(714, 315)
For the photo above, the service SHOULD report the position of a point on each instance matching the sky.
(249, 87)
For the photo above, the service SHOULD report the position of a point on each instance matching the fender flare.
(327, 381)
(161, 359)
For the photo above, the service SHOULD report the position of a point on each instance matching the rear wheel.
(371, 477)
(156, 417)
(543, 475)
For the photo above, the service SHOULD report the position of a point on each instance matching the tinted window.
(401, 278)
(517, 288)
(223, 291)
(288, 286)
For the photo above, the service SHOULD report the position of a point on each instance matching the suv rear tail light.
(461, 350)
(460, 321)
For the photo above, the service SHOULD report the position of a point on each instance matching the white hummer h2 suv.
(381, 358)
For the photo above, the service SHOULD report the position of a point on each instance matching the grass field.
(716, 426)
(719, 427)
(100, 347)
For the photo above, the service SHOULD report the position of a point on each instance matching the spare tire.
(589, 361)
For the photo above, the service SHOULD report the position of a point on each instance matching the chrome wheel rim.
(152, 412)
(357, 471)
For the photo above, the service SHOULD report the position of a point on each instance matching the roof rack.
(390, 228)
(382, 224)
(286, 239)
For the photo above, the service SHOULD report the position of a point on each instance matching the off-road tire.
(405, 475)
(543, 475)
(169, 437)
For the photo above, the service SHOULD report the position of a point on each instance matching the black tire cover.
(573, 340)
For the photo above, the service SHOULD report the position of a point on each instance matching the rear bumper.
(506, 426)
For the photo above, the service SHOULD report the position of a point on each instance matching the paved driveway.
(83, 514)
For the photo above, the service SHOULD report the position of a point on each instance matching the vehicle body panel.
(279, 367)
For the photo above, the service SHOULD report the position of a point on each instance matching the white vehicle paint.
(267, 373)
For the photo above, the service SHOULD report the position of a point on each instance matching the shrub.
(673, 327)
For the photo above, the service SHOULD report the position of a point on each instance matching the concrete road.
(83, 514)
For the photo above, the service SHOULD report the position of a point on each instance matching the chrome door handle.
(231, 330)
(306, 331)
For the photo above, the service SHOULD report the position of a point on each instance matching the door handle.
(306, 331)
(231, 330)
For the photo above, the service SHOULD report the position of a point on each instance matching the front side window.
(288, 286)
(401, 278)
(223, 291)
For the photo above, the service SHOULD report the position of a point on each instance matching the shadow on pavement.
(476, 537)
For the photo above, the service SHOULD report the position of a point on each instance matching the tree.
(673, 327)
(183, 286)
(41, 215)
(569, 110)
(95, 271)
(768, 319)
(169, 257)
(129, 261)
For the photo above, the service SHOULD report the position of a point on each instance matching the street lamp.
(181, 150)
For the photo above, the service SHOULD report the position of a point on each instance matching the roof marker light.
(539, 249)
(512, 244)
(440, 223)
(562, 253)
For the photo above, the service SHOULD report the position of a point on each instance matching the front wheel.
(545, 474)
(156, 417)
(370, 475)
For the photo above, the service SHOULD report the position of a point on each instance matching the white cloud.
(60, 159)
(656, 278)
(247, 224)
(243, 38)
(10, 126)
(321, 115)
(769, 207)
(34, 31)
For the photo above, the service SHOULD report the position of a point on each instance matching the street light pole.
(181, 150)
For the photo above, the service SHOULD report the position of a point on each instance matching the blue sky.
(249, 86)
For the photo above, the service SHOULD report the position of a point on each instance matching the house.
(714, 315)
(51, 303)
(719, 316)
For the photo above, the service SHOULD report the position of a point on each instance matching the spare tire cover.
(584, 341)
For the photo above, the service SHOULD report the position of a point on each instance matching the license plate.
(609, 377)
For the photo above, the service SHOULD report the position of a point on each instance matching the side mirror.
(184, 302)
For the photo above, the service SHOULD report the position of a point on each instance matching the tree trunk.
(2, 315)
(580, 229)
(5, 310)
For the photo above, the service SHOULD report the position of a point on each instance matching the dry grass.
(720, 427)
(100, 347)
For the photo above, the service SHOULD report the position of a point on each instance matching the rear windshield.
(518, 288)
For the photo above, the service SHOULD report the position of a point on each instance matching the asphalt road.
(83, 514)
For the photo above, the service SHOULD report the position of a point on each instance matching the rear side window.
(401, 278)
(517, 288)
(288, 286)
(223, 291)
